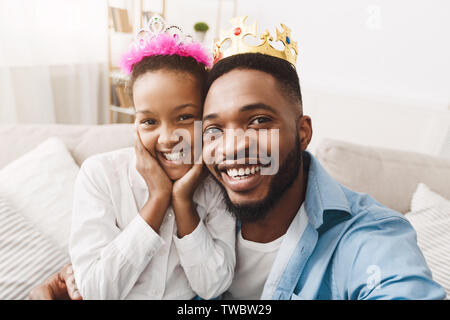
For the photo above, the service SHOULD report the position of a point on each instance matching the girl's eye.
(261, 120)
(185, 117)
(149, 122)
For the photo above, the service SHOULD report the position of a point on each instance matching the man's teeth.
(174, 156)
(242, 173)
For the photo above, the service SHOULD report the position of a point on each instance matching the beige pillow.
(430, 216)
(40, 186)
(390, 176)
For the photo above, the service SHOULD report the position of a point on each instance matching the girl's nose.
(167, 137)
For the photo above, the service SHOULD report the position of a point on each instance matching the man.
(302, 235)
(338, 244)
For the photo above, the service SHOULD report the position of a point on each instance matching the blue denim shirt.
(353, 247)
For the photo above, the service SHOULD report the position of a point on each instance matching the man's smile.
(240, 177)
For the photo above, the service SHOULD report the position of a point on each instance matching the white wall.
(187, 13)
(397, 48)
(375, 72)
(372, 72)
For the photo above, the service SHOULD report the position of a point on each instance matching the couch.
(390, 176)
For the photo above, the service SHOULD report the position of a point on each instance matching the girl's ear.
(304, 127)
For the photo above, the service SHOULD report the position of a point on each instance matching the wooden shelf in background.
(129, 111)
(119, 21)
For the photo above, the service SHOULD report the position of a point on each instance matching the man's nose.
(235, 145)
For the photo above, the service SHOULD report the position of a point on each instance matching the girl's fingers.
(196, 173)
(138, 141)
(142, 154)
(141, 146)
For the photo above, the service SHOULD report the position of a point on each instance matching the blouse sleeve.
(207, 254)
(107, 261)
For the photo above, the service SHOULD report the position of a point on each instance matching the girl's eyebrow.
(185, 105)
(144, 112)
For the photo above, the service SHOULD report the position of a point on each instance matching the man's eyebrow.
(253, 106)
(182, 106)
(258, 105)
(210, 116)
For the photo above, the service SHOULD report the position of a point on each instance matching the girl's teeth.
(174, 156)
(241, 171)
(247, 171)
(252, 171)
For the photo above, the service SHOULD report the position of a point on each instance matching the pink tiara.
(156, 39)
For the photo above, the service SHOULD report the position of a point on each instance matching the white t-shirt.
(254, 262)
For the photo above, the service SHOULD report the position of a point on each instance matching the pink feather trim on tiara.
(164, 44)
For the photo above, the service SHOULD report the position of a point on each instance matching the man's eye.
(261, 120)
(211, 130)
(185, 117)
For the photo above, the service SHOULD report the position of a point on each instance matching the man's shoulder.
(378, 241)
(370, 223)
(365, 209)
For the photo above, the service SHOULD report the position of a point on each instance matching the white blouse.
(117, 255)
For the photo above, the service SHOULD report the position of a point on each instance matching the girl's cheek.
(193, 141)
(194, 144)
(149, 141)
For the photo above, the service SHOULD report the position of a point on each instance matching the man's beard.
(281, 182)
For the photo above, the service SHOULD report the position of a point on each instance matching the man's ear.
(304, 127)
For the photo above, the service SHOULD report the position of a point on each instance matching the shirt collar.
(324, 195)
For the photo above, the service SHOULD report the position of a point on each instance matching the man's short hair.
(280, 69)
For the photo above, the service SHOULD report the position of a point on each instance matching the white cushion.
(40, 186)
(430, 216)
(27, 257)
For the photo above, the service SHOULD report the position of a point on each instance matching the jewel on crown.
(240, 30)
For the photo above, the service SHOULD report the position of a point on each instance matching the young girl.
(146, 225)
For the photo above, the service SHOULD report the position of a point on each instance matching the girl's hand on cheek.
(158, 183)
(184, 188)
(186, 215)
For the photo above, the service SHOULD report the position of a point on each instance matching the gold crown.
(239, 30)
